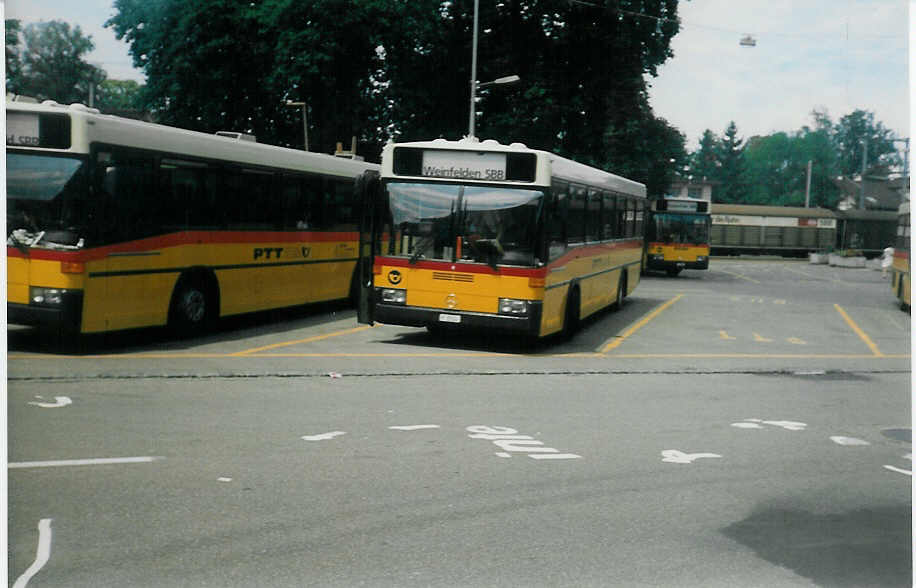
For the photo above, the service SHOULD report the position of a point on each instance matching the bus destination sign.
(464, 165)
(22, 129)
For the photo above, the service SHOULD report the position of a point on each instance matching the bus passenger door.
(367, 186)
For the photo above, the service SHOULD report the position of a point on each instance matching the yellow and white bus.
(900, 269)
(677, 235)
(115, 223)
(468, 234)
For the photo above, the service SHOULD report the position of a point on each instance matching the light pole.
(475, 85)
(305, 126)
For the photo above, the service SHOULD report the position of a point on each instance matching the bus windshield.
(679, 228)
(44, 199)
(453, 222)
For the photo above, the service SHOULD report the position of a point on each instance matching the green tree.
(731, 169)
(850, 133)
(13, 64)
(53, 65)
(118, 96)
(383, 69)
(704, 162)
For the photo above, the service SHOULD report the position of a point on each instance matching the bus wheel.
(571, 318)
(193, 306)
(673, 271)
(621, 291)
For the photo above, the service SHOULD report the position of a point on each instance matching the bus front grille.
(453, 277)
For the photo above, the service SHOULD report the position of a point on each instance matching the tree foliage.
(382, 69)
(773, 169)
(51, 64)
(13, 28)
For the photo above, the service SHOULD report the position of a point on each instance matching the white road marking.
(323, 436)
(413, 427)
(42, 554)
(754, 424)
(554, 456)
(224, 479)
(509, 440)
(79, 462)
(675, 456)
(788, 425)
(839, 440)
(58, 402)
(899, 470)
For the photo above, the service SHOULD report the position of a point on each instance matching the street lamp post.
(475, 85)
(305, 126)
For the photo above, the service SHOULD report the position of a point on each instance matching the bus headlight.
(46, 296)
(513, 306)
(394, 295)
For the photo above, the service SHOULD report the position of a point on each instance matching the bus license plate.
(450, 318)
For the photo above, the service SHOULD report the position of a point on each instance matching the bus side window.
(257, 191)
(575, 226)
(640, 218)
(621, 216)
(341, 211)
(593, 217)
(293, 212)
(311, 190)
(607, 217)
(126, 186)
(556, 222)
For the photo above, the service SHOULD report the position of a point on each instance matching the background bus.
(116, 224)
(677, 235)
(900, 270)
(469, 234)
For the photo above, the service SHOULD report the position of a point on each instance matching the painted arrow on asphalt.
(59, 401)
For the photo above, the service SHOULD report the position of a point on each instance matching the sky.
(838, 55)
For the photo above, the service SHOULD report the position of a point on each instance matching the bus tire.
(194, 305)
(572, 314)
(673, 271)
(621, 290)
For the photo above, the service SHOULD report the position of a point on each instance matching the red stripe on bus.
(665, 244)
(185, 238)
(477, 268)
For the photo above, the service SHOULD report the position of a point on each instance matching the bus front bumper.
(411, 316)
(658, 263)
(65, 318)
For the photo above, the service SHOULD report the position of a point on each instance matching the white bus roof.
(89, 126)
(549, 164)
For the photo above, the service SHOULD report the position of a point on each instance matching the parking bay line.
(80, 462)
(298, 341)
(640, 324)
(858, 331)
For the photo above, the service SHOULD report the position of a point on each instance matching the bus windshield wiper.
(422, 246)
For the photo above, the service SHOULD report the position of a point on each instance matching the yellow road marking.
(614, 344)
(795, 341)
(725, 335)
(736, 275)
(760, 339)
(473, 355)
(807, 275)
(852, 324)
(306, 340)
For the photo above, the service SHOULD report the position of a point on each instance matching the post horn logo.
(394, 277)
(451, 301)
